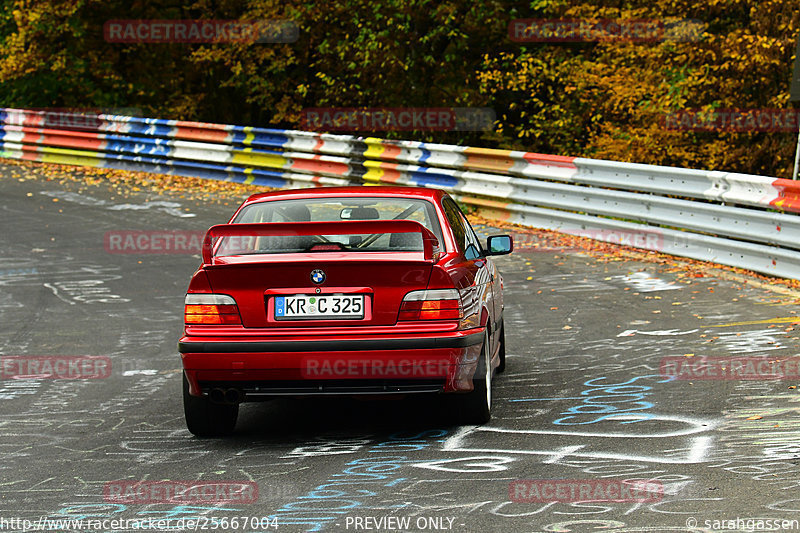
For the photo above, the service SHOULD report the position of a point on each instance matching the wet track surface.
(584, 398)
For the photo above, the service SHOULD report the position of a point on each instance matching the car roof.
(357, 191)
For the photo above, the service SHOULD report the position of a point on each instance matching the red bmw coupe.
(348, 291)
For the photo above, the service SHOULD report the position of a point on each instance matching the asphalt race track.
(586, 407)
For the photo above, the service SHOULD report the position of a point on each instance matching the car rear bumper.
(264, 367)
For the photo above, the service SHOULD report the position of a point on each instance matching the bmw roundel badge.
(318, 276)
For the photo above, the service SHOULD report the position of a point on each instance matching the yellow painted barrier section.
(246, 157)
(381, 171)
(375, 173)
(66, 156)
(375, 147)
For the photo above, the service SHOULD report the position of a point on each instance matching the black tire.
(502, 367)
(477, 405)
(207, 419)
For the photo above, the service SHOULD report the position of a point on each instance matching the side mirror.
(499, 245)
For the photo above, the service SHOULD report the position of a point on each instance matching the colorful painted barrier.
(736, 219)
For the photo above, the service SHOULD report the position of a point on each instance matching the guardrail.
(740, 220)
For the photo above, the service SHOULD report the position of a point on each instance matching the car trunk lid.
(330, 284)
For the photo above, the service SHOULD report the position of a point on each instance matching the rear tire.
(477, 406)
(501, 368)
(207, 419)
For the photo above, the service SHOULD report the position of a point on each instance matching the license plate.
(319, 307)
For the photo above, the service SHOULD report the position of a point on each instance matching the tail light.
(209, 309)
(432, 304)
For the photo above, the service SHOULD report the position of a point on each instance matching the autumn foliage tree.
(593, 98)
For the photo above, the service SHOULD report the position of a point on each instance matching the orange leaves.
(603, 99)
(608, 99)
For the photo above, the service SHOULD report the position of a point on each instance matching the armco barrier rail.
(734, 219)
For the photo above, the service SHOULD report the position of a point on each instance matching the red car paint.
(399, 343)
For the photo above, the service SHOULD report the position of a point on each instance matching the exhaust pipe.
(226, 396)
(233, 396)
(216, 395)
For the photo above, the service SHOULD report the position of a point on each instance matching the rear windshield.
(332, 210)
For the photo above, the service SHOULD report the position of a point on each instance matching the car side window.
(466, 240)
(453, 214)
(473, 244)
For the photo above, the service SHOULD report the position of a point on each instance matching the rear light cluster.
(210, 309)
(432, 304)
